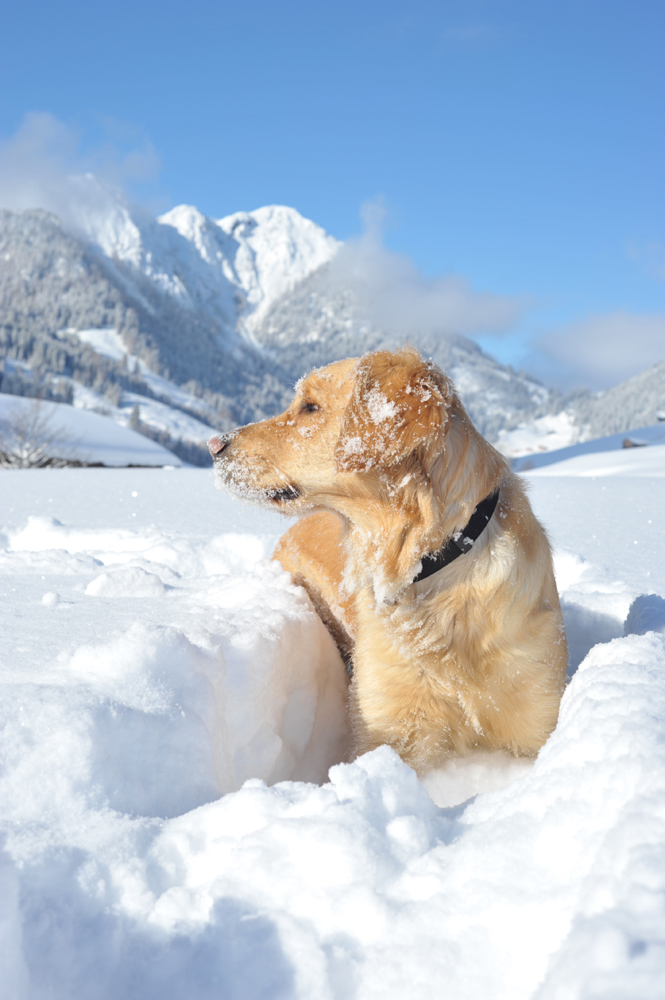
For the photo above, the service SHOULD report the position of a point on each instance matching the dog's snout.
(217, 444)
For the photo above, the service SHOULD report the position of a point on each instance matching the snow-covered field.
(161, 414)
(548, 433)
(160, 675)
(642, 440)
(72, 433)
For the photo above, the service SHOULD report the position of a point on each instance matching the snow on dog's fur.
(382, 460)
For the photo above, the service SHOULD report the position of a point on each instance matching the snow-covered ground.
(82, 435)
(545, 434)
(158, 416)
(160, 674)
(162, 414)
(641, 440)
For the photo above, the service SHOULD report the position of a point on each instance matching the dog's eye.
(309, 408)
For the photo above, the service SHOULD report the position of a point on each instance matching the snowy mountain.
(216, 318)
(206, 323)
(175, 309)
(229, 269)
(583, 417)
(327, 317)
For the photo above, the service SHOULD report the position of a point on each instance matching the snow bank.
(179, 664)
(88, 437)
(589, 458)
(645, 462)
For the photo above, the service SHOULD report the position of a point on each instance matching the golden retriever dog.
(419, 550)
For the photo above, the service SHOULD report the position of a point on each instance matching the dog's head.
(379, 419)
(397, 412)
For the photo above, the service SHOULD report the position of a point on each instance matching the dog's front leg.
(399, 700)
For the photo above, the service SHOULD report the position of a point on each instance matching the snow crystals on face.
(233, 476)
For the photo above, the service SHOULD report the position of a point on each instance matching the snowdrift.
(177, 818)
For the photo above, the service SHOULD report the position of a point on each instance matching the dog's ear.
(399, 403)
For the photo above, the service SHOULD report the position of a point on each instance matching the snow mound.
(550, 887)
(177, 816)
(130, 582)
(646, 614)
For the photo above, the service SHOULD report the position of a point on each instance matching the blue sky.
(517, 143)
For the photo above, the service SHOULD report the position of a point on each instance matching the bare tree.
(29, 439)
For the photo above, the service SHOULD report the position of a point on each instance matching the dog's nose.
(216, 445)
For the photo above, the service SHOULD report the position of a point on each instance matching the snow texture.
(630, 461)
(88, 437)
(171, 707)
(640, 437)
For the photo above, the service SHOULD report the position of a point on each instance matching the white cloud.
(43, 165)
(600, 351)
(402, 301)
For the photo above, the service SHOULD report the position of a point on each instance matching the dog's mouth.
(283, 494)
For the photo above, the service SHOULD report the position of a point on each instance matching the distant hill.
(323, 319)
(182, 323)
(638, 402)
(585, 416)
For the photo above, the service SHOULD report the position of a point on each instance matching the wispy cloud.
(45, 164)
(600, 351)
(403, 302)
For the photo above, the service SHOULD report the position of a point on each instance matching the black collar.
(462, 540)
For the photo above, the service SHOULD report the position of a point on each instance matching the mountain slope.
(54, 284)
(325, 318)
(634, 403)
(585, 416)
(234, 310)
(217, 319)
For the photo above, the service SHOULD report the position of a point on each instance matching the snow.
(380, 408)
(104, 340)
(162, 414)
(639, 437)
(162, 417)
(171, 709)
(159, 416)
(173, 394)
(642, 461)
(230, 268)
(548, 433)
(89, 437)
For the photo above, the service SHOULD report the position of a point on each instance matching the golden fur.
(380, 456)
